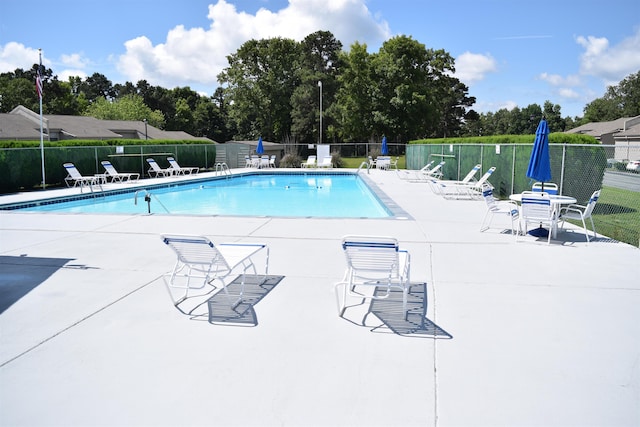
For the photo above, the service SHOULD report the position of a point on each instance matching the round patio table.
(556, 202)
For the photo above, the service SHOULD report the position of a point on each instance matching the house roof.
(597, 129)
(22, 123)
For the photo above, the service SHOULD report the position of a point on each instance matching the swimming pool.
(308, 194)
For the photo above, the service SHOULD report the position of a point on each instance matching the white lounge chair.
(374, 261)
(75, 178)
(325, 162)
(117, 176)
(179, 170)
(460, 190)
(310, 163)
(200, 262)
(498, 207)
(536, 209)
(156, 171)
(580, 213)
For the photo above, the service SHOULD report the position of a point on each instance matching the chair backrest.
(592, 203)
(436, 168)
(471, 173)
(547, 187)
(536, 205)
(487, 194)
(427, 167)
(372, 256)
(153, 164)
(173, 163)
(486, 176)
(326, 161)
(109, 168)
(72, 171)
(196, 250)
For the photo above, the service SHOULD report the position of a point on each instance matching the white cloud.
(473, 67)
(196, 55)
(74, 60)
(568, 93)
(609, 63)
(558, 80)
(16, 55)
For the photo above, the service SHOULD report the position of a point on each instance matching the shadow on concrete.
(389, 312)
(19, 275)
(219, 309)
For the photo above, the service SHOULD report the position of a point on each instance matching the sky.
(508, 52)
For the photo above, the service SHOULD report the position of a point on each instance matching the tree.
(354, 99)
(622, 100)
(260, 79)
(130, 107)
(319, 62)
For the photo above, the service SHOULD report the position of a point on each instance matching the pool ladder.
(147, 198)
(364, 164)
(223, 168)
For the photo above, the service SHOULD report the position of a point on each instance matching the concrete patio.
(515, 333)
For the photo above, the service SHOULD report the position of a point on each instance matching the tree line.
(274, 87)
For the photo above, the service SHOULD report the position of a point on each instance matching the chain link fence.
(578, 170)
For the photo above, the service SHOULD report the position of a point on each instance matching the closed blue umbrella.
(385, 149)
(539, 163)
(259, 148)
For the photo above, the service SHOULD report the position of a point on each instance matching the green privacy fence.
(579, 170)
(21, 168)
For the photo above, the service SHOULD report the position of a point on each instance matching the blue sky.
(509, 52)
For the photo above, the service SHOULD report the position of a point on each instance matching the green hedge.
(554, 138)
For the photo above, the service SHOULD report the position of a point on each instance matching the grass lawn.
(617, 215)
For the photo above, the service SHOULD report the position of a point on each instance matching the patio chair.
(310, 163)
(117, 176)
(580, 213)
(498, 207)
(247, 162)
(326, 162)
(200, 262)
(547, 187)
(179, 170)
(435, 172)
(272, 161)
(383, 162)
(156, 171)
(374, 261)
(536, 208)
(394, 163)
(465, 190)
(77, 179)
(264, 162)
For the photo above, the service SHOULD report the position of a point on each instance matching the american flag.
(39, 80)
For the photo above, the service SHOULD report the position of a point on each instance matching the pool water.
(280, 195)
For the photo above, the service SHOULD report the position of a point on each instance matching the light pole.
(145, 129)
(320, 86)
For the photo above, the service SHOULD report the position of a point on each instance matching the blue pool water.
(280, 195)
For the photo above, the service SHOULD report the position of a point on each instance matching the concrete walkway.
(514, 334)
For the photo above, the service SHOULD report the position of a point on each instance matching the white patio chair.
(310, 163)
(580, 213)
(374, 261)
(247, 162)
(179, 170)
(272, 161)
(200, 262)
(156, 171)
(77, 179)
(325, 162)
(117, 176)
(547, 187)
(498, 207)
(465, 190)
(536, 209)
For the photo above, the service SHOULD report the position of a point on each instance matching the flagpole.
(40, 87)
